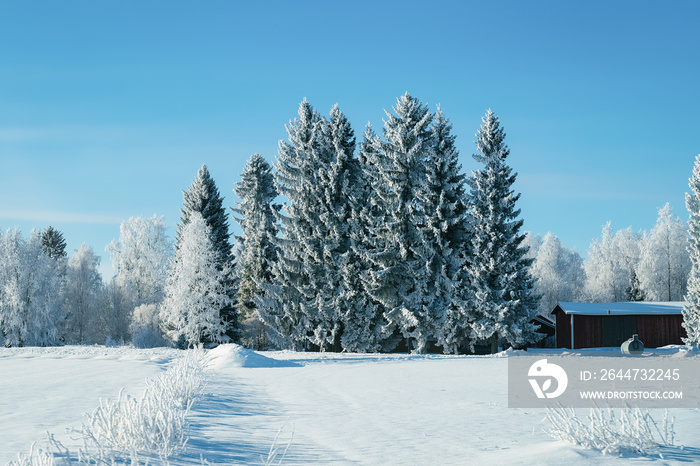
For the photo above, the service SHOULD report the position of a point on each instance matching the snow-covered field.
(329, 408)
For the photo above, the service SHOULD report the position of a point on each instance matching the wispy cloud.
(63, 133)
(53, 216)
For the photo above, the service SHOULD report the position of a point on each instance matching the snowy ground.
(335, 409)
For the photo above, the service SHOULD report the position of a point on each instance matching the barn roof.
(623, 308)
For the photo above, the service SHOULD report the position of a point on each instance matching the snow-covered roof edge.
(623, 308)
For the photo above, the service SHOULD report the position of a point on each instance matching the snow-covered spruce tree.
(397, 274)
(504, 301)
(203, 197)
(304, 305)
(258, 251)
(691, 309)
(366, 328)
(81, 293)
(287, 306)
(195, 291)
(338, 179)
(445, 240)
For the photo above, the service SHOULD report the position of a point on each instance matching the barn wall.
(563, 329)
(660, 330)
(587, 331)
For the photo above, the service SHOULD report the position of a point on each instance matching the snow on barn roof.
(624, 308)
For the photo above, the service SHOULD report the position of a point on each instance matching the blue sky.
(107, 109)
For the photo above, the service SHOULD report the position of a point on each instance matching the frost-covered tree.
(607, 273)
(337, 178)
(145, 327)
(366, 328)
(81, 293)
(305, 305)
(53, 243)
(691, 309)
(397, 276)
(665, 264)
(558, 272)
(288, 306)
(257, 248)
(29, 291)
(141, 259)
(445, 235)
(504, 300)
(115, 314)
(203, 197)
(195, 291)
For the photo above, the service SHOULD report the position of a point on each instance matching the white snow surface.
(340, 409)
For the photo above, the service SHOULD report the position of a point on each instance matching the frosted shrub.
(153, 424)
(632, 430)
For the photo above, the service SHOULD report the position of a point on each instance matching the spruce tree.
(203, 197)
(338, 179)
(307, 304)
(53, 243)
(257, 244)
(366, 328)
(691, 309)
(396, 278)
(289, 306)
(504, 302)
(445, 240)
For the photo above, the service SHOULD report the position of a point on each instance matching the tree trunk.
(494, 343)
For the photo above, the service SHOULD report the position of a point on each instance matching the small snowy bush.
(632, 430)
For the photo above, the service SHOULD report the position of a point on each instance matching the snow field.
(51, 389)
(326, 408)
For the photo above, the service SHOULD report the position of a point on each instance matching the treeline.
(622, 265)
(380, 245)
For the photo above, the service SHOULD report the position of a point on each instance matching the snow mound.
(232, 355)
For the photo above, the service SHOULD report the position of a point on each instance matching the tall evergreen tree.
(307, 304)
(691, 309)
(338, 180)
(366, 328)
(396, 278)
(257, 244)
(502, 286)
(203, 197)
(445, 236)
(290, 306)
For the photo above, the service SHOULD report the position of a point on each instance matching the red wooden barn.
(592, 325)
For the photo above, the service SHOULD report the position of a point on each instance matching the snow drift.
(232, 355)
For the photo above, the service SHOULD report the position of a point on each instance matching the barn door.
(618, 329)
